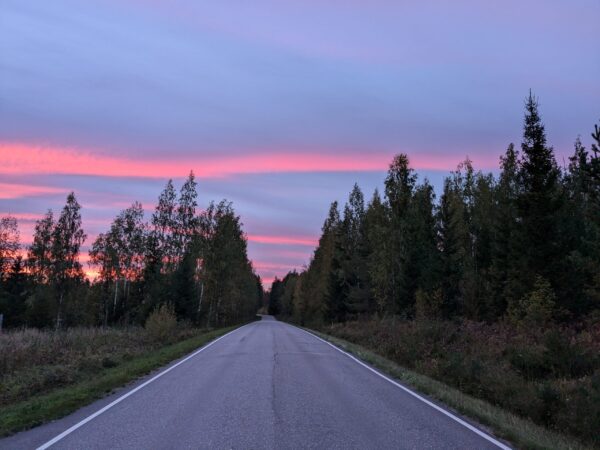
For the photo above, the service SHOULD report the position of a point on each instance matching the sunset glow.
(279, 113)
(32, 159)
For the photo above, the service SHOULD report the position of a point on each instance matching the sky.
(277, 106)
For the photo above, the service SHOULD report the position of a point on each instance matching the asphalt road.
(266, 385)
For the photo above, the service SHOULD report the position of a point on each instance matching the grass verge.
(60, 402)
(521, 433)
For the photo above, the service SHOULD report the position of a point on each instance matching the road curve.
(266, 385)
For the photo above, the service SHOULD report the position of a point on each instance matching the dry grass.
(550, 377)
(520, 432)
(36, 361)
(46, 375)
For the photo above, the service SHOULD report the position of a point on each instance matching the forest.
(193, 261)
(494, 288)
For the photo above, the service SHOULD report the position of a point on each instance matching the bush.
(428, 305)
(538, 308)
(162, 323)
(549, 374)
(568, 359)
(529, 360)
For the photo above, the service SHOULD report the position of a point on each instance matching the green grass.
(60, 402)
(521, 433)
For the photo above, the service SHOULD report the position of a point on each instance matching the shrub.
(428, 305)
(162, 323)
(537, 309)
(567, 359)
(529, 360)
(550, 374)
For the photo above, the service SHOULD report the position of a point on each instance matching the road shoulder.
(503, 425)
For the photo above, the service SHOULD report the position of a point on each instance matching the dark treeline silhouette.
(194, 261)
(494, 289)
(524, 245)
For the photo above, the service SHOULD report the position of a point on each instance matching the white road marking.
(414, 394)
(133, 391)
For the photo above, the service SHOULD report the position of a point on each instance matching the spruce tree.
(319, 270)
(539, 201)
(424, 271)
(379, 259)
(399, 190)
(355, 270)
(454, 244)
(505, 276)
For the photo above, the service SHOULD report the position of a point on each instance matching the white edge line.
(414, 394)
(133, 391)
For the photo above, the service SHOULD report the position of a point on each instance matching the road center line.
(414, 394)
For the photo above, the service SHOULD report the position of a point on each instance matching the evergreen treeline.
(524, 245)
(193, 260)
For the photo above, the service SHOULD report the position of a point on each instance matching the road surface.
(265, 385)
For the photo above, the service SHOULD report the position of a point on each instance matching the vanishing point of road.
(266, 385)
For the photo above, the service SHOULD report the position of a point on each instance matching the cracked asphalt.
(267, 385)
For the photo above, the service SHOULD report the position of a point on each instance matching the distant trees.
(51, 276)
(119, 255)
(67, 237)
(523, 246)
(39, 259)
(9, 244)
(11, 273)
(192, 262)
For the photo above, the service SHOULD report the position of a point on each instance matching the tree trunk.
(201, 295)
(58, 312)
(115, 299)
(106, 300)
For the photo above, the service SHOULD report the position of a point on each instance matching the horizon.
(277, 108)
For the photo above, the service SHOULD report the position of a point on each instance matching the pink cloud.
(283, 240)
(262, 265)
(19, 158)
(15, 190)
